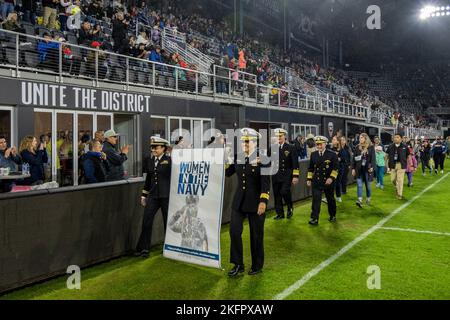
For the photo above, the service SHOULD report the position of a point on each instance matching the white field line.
(417, 231)
(295, 286)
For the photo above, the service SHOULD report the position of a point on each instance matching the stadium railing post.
(96, 67)
(60, 62)
(17, 55)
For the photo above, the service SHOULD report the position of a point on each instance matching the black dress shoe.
(144, 253)
(290, 213)
(279, 217)
(313, 222)
(332, 219)
(252, 271)
(236, 270)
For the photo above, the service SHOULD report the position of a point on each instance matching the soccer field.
(409, 240)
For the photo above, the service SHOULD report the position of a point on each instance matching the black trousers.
(425, 164)
(317, 201)
(150, 211)
(282, 191)
(256, 224)
(439, 161)
(341, 181)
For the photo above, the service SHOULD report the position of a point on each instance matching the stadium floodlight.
(427, 12)
(431, 12)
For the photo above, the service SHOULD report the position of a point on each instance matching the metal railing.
(21, 52)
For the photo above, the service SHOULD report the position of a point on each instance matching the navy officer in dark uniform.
(322, 173)
(155, 194)
(287, 172)
(250, 200)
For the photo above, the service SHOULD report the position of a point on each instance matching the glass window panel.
(103, 122)
(197, 134)
(43, 132)
(206, 128)
(174, 130)
(64, 149)
(5, 125)
(158, 127)
(85, 127)
(124, 126)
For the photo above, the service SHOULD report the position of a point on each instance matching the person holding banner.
(250, 200)
(287, 173)
(155, 194)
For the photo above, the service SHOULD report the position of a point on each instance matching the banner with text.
(195, 208)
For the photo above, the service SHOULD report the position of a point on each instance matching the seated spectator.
(91, 61)
(71, 62)
(85, 36)
(12, 24)
(9, 158)
(95, 9)
(48, 52)
(114, 158)
(94, 164)
(155, 55)
(36, 157)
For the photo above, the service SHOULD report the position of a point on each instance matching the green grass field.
(413, 265)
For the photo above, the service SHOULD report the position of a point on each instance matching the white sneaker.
(339, 199)
(368, 201)
(442, 171)
(378, 185)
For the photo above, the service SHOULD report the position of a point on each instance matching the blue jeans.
(380, 175)
(7, 8)
(364, 177)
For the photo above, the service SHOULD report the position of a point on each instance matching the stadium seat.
(31, 59)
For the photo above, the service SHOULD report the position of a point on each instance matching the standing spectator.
(425, 156)
(377, 142)
(29, 11)
(344, 157)
(397, 154)
(36, 157)
(300, 147)
(119, 32)
(411, 166)
(363, 167)
(115, 159)
(438, 153)
(9, 158)
(99, 136)
(50, 12)
(94, 163)
(381, 164)
(310, 145)
(7, 8)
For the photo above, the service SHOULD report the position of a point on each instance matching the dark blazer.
(115, 160)
(322, 168)
(157, 182)
(287, 163)
(36, 162)
(253, 187)
(402, 152)
(369, 157)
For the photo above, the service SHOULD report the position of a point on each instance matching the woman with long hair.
(344, 156)
(425, 156)
(363, 167)
(36, 157)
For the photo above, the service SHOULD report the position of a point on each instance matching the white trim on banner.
(195, 210)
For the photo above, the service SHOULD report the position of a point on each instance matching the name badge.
(396, 157)
(358, 158)
(363, 163)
